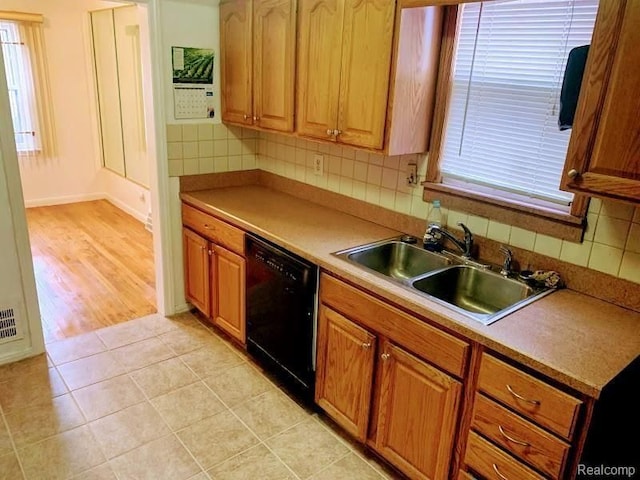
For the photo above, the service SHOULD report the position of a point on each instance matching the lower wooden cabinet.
(228, 292)
(418, 409)
(416, 405)
(346, 356)
(196, 270)
(215, 283)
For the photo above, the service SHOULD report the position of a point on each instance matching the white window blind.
(19, 82)
(502, 125)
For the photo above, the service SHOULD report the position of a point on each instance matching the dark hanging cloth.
(571, 86)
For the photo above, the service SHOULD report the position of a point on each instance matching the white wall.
(72, 174)
(190, 23)
(186, 23)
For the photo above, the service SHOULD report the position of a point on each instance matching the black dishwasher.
(281, 314)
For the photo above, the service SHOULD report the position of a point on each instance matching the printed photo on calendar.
(192, 65)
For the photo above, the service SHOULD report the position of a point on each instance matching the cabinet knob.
(245, 116)
(210, 252)
(329, 132)
(255, 119)
(573, 173)
(337, 132)
(366, 345)
(385, 356)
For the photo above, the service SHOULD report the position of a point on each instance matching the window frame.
(504, 207)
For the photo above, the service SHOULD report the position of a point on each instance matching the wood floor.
(93, 266)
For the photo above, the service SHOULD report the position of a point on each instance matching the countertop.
(575, 339)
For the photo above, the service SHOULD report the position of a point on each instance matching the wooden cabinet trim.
(218, 231)
(555, 410)
(442, 349)
(543, 451)
(355, 384)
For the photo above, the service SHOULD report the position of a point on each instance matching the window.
(19, 81)
(27, 85)
(501, 135)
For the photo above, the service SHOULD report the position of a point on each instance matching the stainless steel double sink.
(467, 288)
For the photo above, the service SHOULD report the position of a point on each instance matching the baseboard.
(46, 202)
(141, 217)
(182, 308)
(19, 355)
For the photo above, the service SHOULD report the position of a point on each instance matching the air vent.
(149, 223)
(8, 325)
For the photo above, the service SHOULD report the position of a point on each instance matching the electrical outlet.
(412, 174)
(318, 164)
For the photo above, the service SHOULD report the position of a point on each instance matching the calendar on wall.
(193, 82)
(193, 102)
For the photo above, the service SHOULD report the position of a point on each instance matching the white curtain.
(25, 60)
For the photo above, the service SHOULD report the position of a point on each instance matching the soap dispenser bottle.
(433, 238)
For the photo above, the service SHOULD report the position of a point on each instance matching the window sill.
(534, 218)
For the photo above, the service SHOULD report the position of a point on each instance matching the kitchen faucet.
(436, 232)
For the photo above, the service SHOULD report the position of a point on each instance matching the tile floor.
(162, 398)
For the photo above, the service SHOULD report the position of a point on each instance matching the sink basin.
(468, 288)
(397, 259)
(473, 289)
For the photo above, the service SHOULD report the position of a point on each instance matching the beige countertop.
(575, 339)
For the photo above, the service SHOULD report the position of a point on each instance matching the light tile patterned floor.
(159, 398)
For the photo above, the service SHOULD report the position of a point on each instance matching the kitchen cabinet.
(418, 410)
(393, 419)
(604, 152)
(196, 270)
(346, 356)
(228, 291)
(533, 435)
(215, 270)
(366, 73)
(257, 52)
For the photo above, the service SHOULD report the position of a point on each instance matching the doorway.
(93, 257)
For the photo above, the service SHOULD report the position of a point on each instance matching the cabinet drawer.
(529, 396)
(491, 462)
(440, 348)
(520, 437)
(213, 229)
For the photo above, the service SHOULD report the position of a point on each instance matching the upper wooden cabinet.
(257, 51)
(604, 152)
(358, 82)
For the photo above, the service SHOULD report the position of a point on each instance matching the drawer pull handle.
(520, 397)
(385, 356)
(208, 227)
(495, 469)
(366, 345)
(511, 439)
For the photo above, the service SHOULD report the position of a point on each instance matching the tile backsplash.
(209, 148)
(612, 239)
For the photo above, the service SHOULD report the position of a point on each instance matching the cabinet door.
(235, 61)
(345, 371)
(319, 54)
(418, 407)
(366, 62)
(228, 292)
(274, 26)
(605, 145)
(196, 270)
